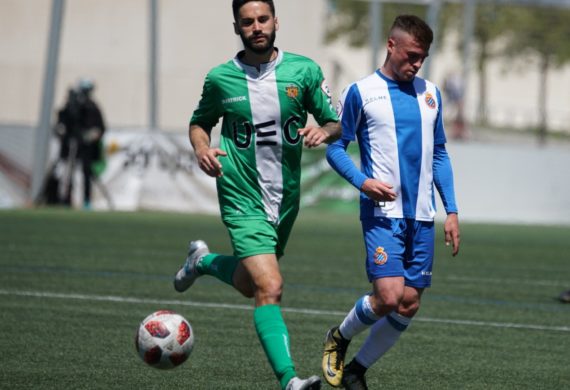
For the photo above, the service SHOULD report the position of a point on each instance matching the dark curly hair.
(237, 4)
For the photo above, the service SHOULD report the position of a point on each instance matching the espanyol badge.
(380, 257)
(430, 100)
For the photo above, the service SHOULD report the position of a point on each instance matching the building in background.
(109, 41)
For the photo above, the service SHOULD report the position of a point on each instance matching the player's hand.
(208, 160)
(378, 191)
(314, 135)
(451, 230)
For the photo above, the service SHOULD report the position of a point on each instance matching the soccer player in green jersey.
(264, 96)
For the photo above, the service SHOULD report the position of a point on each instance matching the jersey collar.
(264, 69)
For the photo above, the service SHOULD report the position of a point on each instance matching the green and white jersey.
(262, 111)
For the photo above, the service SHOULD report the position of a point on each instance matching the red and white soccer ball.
(164, 339)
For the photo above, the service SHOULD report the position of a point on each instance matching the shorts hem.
(406, 281)
(371, 278)
(417, 285)
(256, 252)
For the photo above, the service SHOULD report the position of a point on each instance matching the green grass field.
(74, 287)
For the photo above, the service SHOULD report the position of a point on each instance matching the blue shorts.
(399, 247)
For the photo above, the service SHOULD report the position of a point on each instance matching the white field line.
(164, 302)
(549, 283)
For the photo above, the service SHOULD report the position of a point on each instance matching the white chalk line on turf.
(163, 302)
(550, 283)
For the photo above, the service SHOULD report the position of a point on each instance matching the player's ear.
(236, 28)
(276, 24)
(391, 44)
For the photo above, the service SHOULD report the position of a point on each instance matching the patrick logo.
(430, 100)
(380, 257)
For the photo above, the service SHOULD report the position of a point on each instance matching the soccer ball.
(164, 339)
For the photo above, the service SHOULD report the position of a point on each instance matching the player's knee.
(409, 310)
(274, 290)
(270, 292)
(388, 301)
(386, 307)
(411, 302)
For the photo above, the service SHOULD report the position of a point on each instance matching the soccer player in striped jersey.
(397, 119)
(264, 96)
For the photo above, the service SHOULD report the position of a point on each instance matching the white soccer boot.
(312, 383)
(187, 274)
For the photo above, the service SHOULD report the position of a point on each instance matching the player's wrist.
(201, 149)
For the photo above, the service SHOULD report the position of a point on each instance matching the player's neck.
(252, 58)
(387, 72)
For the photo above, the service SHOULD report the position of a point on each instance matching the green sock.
(219, 266)
(274, 338)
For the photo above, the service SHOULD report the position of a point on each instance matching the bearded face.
(256, 25)
(259, 43)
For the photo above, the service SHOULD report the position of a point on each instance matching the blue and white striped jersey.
(397, 125)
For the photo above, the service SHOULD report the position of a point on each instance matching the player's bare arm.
(315, 136)
(207, 157)
(451, 230)
(378, 191)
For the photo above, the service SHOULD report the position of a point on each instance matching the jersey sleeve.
(209, 109)
(443, 178)
(340, 161)
(318, 99)
(349, 110)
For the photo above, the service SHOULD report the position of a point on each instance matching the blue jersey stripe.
(350, 112)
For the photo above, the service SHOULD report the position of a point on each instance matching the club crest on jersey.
(339, 108)
(430, 100)
(292, 91)
(325, 89)
(380, 257)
